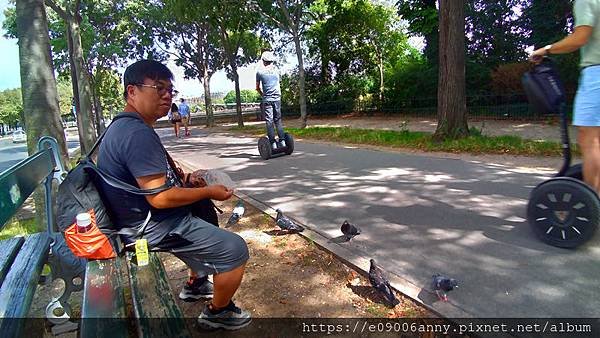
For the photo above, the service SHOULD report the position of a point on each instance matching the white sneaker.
(282, 143)
(274, 145)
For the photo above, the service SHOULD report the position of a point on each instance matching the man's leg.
(277, 120)
(588, 139)
(186, 121)
(268, 109)
(225, 286)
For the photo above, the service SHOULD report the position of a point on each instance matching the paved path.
(420, 215)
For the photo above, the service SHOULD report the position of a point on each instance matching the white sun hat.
(268, 56)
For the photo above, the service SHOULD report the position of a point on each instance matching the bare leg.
(225, 286)
(589, 143)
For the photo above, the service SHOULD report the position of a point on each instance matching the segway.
(562, 211)
(266, 151)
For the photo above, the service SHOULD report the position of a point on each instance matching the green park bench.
(105, 283)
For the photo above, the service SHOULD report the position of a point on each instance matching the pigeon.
(238, 212)
(350, 230)
(287, 224)
(381, 284)
(442, 285)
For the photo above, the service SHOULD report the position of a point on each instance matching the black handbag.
(544, 89)
(204, 209)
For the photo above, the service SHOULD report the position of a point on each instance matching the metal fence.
(485, 106)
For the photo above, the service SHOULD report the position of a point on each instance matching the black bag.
(204, 209)
(544, 89)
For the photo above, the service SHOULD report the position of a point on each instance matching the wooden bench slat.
(21, 282)
(103, 311)
(19, 181)
(156, 309)
(8, 251)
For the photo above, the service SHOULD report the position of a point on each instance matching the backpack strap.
(111, 180)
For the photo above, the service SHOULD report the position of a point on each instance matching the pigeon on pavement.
(238, 212)
(381, 284)
(442, 285)
(350, 230)
(287, 224)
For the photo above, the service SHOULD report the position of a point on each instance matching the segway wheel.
(563, 212)
(264, 148)
(289, 143)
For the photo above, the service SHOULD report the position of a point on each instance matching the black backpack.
(79, 193)
(544, 89)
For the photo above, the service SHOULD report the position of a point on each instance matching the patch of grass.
(475, 143)
(282, 243)
(16, 227)
(376, 310)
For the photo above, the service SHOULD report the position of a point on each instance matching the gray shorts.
(205, 248)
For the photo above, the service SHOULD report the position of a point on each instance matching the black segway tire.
(563, 212)
(289, 143)
(264, 148)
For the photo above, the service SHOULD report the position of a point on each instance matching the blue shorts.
(586, 108)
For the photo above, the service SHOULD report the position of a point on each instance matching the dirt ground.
(288, 276)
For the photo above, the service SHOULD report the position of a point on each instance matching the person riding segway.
(267, 77)
(563, 211)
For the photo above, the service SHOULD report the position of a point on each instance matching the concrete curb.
(357, 260)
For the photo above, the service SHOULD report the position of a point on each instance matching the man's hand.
(196, 180)
(220, 192)
(538, 55)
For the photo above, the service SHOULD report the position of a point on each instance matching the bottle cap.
(83, 219)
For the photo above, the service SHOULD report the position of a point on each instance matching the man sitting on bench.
(132, 152)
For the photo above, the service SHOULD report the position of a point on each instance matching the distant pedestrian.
(175, 118)
(267, 76)
(184, 111)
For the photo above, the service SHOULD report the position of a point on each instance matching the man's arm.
(258, 88)
(571, 43)
(176, 196)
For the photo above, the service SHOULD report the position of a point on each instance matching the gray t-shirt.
(587, 13)
(268, 76)
(130, 148)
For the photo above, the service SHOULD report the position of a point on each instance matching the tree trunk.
(99, 116)
(84, 115)
(210, 117)
(238, 96)
(73, 72)
(40, 97)
(381, 87)
(301, 80)
(431, 39)
(452, 109)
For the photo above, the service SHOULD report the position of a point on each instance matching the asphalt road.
(420, 215)
(11, 153)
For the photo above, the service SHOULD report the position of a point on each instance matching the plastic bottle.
(84, 222)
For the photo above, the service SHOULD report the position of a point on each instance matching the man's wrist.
(547, 48)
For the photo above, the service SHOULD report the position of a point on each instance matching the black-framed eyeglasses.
(160, 89)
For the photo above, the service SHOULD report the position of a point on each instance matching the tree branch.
(61, 12)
